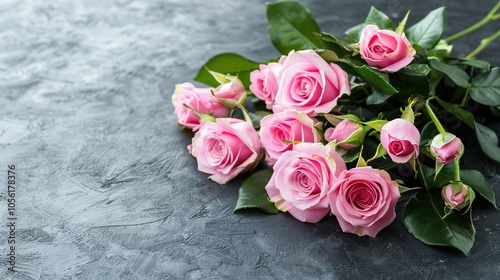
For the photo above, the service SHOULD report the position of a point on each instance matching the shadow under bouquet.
(344, 126)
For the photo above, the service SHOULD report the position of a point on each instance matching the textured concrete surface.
(105, 186)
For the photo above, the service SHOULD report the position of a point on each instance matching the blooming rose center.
(401, 147)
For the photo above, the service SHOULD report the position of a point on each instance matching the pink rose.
(348, 133)
(309, 84)
(302, 178)
(456, 199)
(265, 82)
(231, 92)
(279, 131)
(364, 199)
(400, 138)
(226, 148)
(385, 49)
(199, 99)
(446, 148)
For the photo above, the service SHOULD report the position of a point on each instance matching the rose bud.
(456, 196)
(347, 134)
(231, 93)
(188, 100)
(385, 49)
(446, 148)
(400, 138)
(265, 82)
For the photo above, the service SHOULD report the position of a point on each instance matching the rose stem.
(484, 43)
(434, 119)
(491, 16)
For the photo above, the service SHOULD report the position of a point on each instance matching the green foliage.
(292, 27)
(227, 63)
(252, 193)
(422, 217)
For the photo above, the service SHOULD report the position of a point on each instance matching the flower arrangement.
(333, 119)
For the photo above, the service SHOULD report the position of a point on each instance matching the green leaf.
(226, 63)
(427, 32)
(354, 32)
(339, 47)
(378, 18)
(456, 74)
(371, 76)
(464, 115)
(488, 141)
(422, 218)
(479, 64)
(252, 193)
(377, 97)
(478, 183)
(292, 27)
(485, 87)
(351, 155)
(376, 124)
(410, 83)
(417, 69)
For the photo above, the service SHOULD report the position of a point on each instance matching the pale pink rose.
(347, 131)
(307, 83)
(226, 148)
(199, 99)
(385, 49)
(400, 138)
(265, 82)
(364, 199)
(279, 132)
(456, 200)
(302, 178)
(232, 91)
(446, 148)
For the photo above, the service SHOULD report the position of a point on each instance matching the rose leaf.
(252, 193)
(422, 218)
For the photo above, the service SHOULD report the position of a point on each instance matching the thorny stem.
(484, 43)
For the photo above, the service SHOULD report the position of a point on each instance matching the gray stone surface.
(105, 186)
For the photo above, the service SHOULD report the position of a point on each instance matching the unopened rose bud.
(446, 147)
(456, 196)
(348, 134)
(231, 93)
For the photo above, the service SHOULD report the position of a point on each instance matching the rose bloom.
(279, 132)
(364, 200)
(343, 131)
(456, 200)
(232, 91)
(446, 148)
(400, 138)
(302, 178)
(385, 49)
(309, 84)
(226, 148)
(264, 81)
(198, 99)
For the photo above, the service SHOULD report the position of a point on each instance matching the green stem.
(456, 171)
(434, 119)
(484, 43)
(491, 16)
(466, 95)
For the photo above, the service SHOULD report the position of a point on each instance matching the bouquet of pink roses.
(345, 125)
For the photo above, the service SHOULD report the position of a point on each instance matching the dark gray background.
(106, 188)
